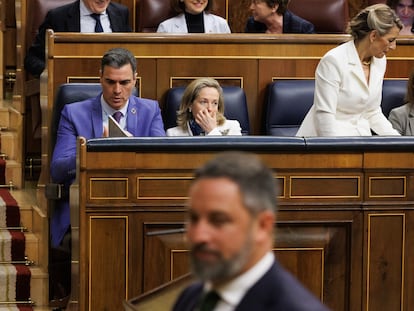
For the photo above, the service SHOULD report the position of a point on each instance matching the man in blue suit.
(76, 17)
(89, 119)
(230, 231)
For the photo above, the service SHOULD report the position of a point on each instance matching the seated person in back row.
(194, 16)
(201, 111)
(402, 118)
(272, 16)
(405, 11)
(76, 17)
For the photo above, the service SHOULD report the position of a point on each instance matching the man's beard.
(220, 269)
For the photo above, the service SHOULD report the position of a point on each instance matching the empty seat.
(287, 103)
(328, 16)
(150, 13)
(235, 106)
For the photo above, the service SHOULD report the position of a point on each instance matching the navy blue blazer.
(276, 290)
(66, 18)
(291, 24)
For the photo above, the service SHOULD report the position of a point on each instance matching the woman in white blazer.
(201, 111)
(348, 79)
(194, 17)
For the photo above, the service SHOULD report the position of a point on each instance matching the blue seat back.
(235, 106)
(287, 103)
(68, 93)
(393, 94)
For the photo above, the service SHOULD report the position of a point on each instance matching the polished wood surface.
(342, 226)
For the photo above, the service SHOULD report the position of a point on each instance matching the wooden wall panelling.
(326, 234)
(385, 261)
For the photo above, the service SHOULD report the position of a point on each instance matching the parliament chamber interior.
(345, 204)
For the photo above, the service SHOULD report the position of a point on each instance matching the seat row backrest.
(70, 93)
(288, 102)
(328, 16)
(234, 98)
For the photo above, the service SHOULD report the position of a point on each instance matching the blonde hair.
(191, 92)
(379, 17)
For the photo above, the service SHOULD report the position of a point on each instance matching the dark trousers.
(60, 269)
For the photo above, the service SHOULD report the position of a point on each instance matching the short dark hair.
(255, 180)
(283, 4)
(118, 57)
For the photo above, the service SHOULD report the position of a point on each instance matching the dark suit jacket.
(67, 19)
(85, 119)
(291, 24)
(276, 290)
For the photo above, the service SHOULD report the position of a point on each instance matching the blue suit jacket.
(67, 19)
(85, 119)
(291, 24)
(276, 290)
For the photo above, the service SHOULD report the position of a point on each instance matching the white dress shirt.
(233, 292)
(87, 22)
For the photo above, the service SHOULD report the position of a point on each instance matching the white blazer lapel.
(354, 63)
(209, 23)
(376, 75)
(179, 24)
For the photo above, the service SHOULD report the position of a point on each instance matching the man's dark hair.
(255, 180)
(118, 57)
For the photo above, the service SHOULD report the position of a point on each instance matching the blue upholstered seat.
(288, 101)
(70, 93)
(235, 106)
(393, 93)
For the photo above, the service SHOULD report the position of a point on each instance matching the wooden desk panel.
(345, 244)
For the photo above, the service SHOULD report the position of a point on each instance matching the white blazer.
(344, 103)
(229, 127)
(212, 24)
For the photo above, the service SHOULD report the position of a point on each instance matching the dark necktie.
(117, 116)
(98, 25)
(209, 301)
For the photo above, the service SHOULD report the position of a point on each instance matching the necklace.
(366, 63)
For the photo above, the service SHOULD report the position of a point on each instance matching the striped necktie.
(98, 25)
